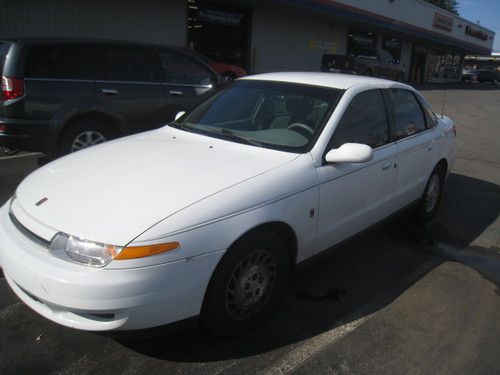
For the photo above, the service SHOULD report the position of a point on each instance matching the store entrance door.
(220, 33)
(419, 61)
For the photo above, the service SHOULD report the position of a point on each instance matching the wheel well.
(443, 165)
(93, 116)
(284, 231)
(229, 73)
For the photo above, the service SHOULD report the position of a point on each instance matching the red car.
(228, 71)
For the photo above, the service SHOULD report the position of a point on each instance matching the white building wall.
(283, 42)
(155, 21)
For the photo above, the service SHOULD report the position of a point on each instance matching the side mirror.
(350, 153)
(179, 115)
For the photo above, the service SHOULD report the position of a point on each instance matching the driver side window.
(364, 121)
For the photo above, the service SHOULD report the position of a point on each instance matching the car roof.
(332, 80)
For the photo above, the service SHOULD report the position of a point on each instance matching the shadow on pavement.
(357, 279)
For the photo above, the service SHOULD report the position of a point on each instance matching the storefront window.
(357, 40)
(443, 67)
(393, 46)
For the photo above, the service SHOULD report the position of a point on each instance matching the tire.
(229, 76)
(247, 284)
(83, 133)
(431, 197)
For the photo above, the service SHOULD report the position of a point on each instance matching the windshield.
(278, 115)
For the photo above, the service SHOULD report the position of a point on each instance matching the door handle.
(109, 91)
(387, 165)
(176, 93)
(430, 146)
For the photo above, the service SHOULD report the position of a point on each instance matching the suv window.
(364, 121)
(408, 116)
(130, 63)
(61, 61)
(181, 69)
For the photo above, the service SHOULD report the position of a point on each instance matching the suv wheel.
(246, 285)
(83, 134)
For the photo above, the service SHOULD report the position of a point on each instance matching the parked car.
(206, 218)
(62, 95)
(229, 72)
(364, 61)
(469, 75)
(488, 75)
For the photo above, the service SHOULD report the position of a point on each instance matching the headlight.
(75, 249)
(96, 254)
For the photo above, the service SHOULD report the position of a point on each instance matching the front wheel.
(83, 134)
(246, 285)
(429, 202)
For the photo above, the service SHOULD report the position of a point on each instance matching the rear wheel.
(83, 134)
(429, 202)
(246, 285)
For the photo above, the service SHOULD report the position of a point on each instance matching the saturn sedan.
(204, 219)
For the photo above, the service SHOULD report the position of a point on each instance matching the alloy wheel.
(86, 139)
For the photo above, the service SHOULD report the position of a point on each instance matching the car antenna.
(444, 98)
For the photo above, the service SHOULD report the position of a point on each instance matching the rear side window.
(181, 69)
(134, 64)
(62, 62)
(408, 116)
(364, 121)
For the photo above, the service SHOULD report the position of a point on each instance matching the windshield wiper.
(230, 134)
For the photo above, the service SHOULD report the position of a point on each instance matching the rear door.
(129, 88)
(185, 81)
(416, 145)
(59, 81)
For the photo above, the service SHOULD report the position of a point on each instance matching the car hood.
(113, 192)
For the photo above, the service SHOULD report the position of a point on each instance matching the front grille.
(29, 234)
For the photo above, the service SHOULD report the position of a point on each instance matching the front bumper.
(102, 299)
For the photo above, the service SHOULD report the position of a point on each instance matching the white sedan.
(207, 217)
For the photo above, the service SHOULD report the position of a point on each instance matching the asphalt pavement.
(398, 299)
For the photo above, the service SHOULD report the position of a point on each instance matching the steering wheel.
(298, 125)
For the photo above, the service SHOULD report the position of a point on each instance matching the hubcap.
(432, 194)
(250, 285)
(86, 139)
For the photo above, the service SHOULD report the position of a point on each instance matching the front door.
(130, 89)
(185, 82)
(355, 196)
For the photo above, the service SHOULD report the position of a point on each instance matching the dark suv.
(59, 96)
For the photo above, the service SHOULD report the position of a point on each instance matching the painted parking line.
(20, 155)
(312, 347)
